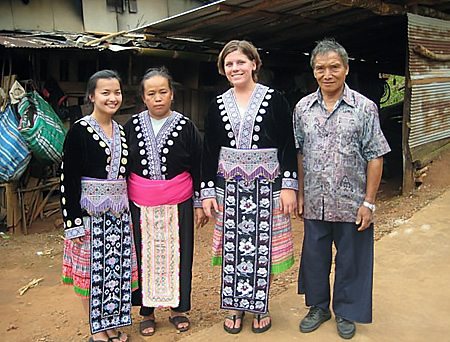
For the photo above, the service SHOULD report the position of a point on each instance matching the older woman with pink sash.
(165, 150)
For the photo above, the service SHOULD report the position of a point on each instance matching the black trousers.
(353, 281)
(186, 223)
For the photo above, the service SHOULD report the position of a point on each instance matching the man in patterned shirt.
(340, 148)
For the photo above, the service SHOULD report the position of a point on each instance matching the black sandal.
(148, 323)
(234, 318)
(259, 317)
(176, 320)
(117, 337)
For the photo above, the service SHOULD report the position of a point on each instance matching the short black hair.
(325, 46)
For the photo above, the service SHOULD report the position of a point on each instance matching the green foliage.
(396, 91)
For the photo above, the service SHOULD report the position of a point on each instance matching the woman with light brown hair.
(249, 183)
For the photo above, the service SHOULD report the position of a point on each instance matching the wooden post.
(408, 182)
(22, 212)
(9, 207)
(13, 212)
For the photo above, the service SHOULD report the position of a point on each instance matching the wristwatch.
(370, 206)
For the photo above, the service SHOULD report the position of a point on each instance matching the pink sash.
(147, 192)
(160, 253)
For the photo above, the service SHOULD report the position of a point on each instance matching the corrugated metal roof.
(372, 31)
(135, 43)
(43, 40)
(430, 82)
(31, 42)
(64, 40)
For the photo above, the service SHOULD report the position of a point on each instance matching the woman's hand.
(210, 207)
(200, 217)
(78, 240)
(288, 201)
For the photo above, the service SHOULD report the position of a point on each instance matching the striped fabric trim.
(248, 164)
(77, 263)
(78, 290)
(74, 232)
(68, 281)
(274, 269)
(289, 183)
(207, 193)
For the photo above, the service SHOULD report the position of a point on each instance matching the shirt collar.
(347, 96)
(316, 97)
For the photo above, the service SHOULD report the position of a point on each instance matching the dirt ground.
(51, 312)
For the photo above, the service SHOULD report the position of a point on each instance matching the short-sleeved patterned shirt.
(336, 148)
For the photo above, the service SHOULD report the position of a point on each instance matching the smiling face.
(107, 96)
(330, 73)
(157, 96)
(239, 68)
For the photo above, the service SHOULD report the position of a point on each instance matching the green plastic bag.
(41, 128)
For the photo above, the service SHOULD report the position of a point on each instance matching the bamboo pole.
(102, 39)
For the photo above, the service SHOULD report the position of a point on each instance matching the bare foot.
(101, 336)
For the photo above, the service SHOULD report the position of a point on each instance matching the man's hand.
(364, 218)
(200, 217)
(210, 207)
(288, 201)
(301, 188)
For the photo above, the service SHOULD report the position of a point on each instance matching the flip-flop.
(259, 317)
(148, 323)
(91, 339)
(180, 319)
(117, 337)
(234, 318)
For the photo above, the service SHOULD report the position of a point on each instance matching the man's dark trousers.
(352, 294)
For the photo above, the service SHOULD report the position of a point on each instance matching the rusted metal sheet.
(430, 82)
(33, 42)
